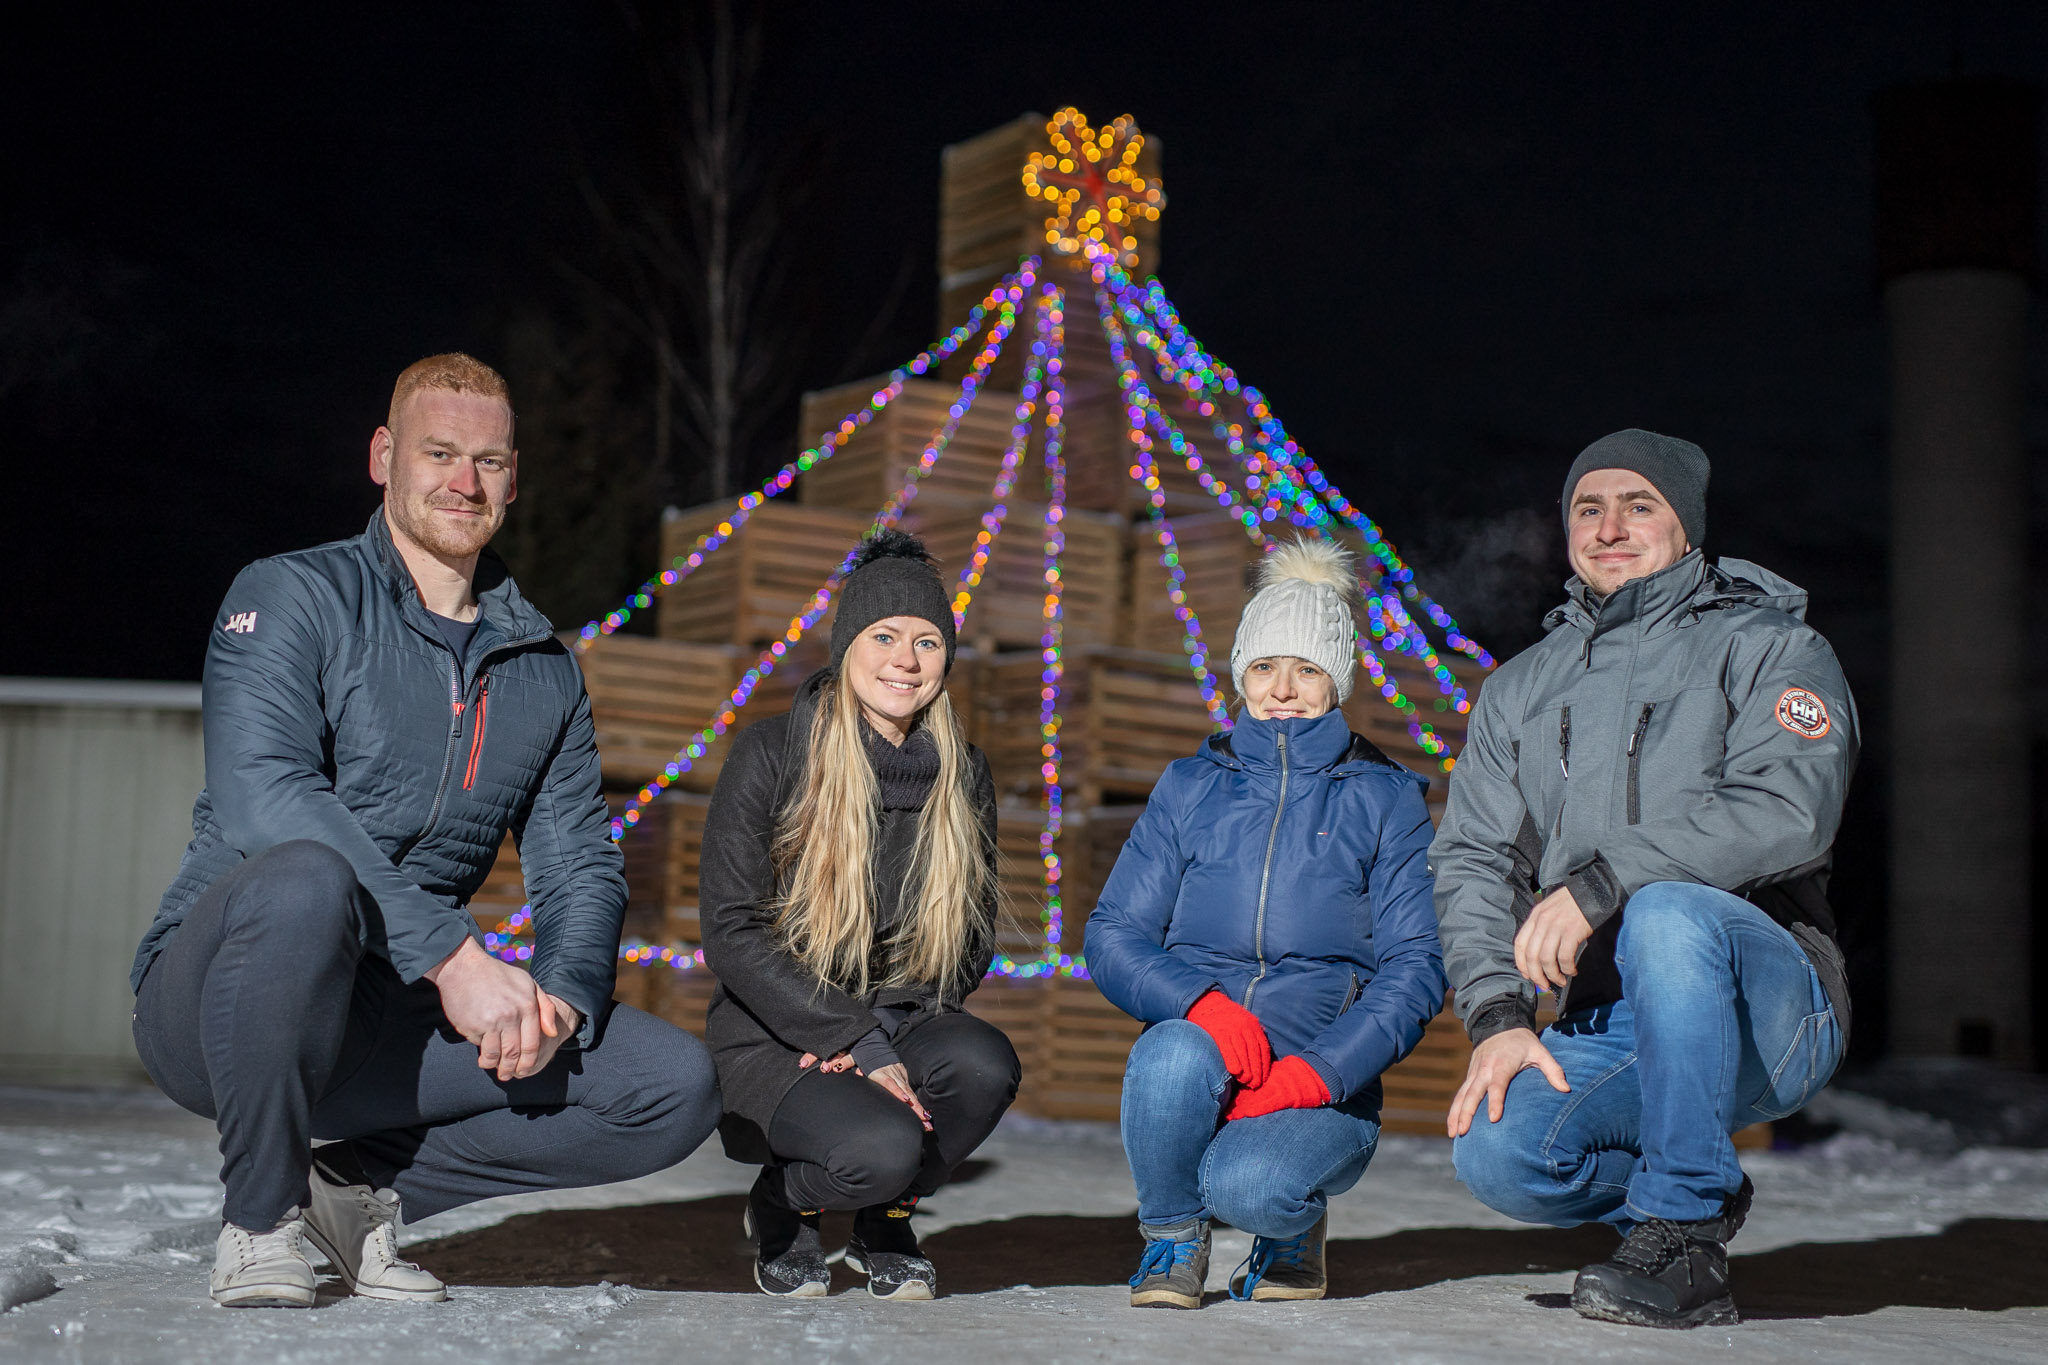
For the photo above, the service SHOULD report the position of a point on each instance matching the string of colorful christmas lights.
(1145, 470)
(683, 565)
(1216, 378)
(1006, 473)
(1143, 404)
(1051, 961)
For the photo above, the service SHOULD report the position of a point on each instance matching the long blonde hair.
(824, 859)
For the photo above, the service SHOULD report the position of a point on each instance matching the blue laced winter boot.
(1284, 1267)
(1174, 1268)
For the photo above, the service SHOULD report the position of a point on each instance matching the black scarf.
(904, 771)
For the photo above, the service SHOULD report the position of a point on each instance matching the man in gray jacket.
(1642, 821)
(378, 713)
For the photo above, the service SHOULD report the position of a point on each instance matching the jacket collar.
(499, 601)
(1324, 742)
(1676, 596)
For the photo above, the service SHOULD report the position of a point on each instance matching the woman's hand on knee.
(895, 1079)
(1496, 1062)
(837, 1062)
(1239, 1037)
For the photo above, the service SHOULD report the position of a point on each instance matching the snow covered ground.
(1859, 1250)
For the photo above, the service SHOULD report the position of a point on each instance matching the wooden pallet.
(870, 468)
(649, 697)
(1007, 610)
(1088, 845)
(748, 589)
(1125, 715)
(1216, 559)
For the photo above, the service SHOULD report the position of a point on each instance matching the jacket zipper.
(1266, 874)
(1564, 763)
(1350, 995)
(1635, 764)
(447, 759)
(476, 743)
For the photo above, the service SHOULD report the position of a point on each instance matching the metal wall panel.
(96, 789)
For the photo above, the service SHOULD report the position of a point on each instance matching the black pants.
(265, 1012)
(846, 1143)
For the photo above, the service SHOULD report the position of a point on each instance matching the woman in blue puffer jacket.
(1270, 921)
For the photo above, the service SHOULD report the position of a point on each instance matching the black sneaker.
(1668, 1274)
(789, 1255)
(884, 1248)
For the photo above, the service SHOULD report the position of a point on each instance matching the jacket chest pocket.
(1673, 752)
(1543, 767)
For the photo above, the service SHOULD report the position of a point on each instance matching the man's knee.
(1667, 923)
(659, 1091)
(1503, 1169)
(1175, 1056)
(302, 882)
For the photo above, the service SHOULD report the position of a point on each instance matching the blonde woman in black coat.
(848, 894)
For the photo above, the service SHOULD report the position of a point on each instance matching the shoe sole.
(908, 1290)
(1275, 1294)
(1164, 1298)
(1593, 1301)
(438, 1294)
(809, 1289)
(265, 1296)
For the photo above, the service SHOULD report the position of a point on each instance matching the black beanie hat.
(892, 575)
(1676, 469)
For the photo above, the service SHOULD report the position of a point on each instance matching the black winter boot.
(884, 1248)
(789, 1255)
(1668, 1274)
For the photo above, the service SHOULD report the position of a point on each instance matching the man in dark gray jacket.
(1642, 821)
(378, 713)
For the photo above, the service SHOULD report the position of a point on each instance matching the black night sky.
(1453, 243)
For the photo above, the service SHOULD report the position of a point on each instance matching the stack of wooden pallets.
(1128, 701)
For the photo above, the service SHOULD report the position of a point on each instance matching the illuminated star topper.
(1091, 181)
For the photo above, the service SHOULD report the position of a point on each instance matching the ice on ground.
(116, 1198)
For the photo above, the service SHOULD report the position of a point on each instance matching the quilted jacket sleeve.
(1407, 989)
(736, 903)
(575, 874)
(1473, 858)
(266, 755)
(1127, 932)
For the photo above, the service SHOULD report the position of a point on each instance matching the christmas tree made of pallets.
(1098, 488)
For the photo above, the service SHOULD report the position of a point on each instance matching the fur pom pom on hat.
(1303, 605)
(892, 575)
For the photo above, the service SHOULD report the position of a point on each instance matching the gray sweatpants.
(265, 1012)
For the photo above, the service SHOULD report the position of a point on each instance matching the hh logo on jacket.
(241, 623)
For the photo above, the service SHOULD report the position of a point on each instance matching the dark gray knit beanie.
(892, 575)
(1676, 469)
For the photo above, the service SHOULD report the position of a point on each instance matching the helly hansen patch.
(1804, 714)
(241, 623)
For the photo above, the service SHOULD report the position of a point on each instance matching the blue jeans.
(1723, 1023)
(1271, 1176)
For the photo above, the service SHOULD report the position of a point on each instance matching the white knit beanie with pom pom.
(1306, 591)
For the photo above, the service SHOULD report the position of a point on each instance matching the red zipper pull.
(476, 743)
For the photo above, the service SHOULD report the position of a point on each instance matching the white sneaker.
(263, 1269)
(356, 1229)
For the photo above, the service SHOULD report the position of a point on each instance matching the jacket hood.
(1675, 595)
(498, 597)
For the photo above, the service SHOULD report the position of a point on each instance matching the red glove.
(1238, 1035)
(1292, 1085)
